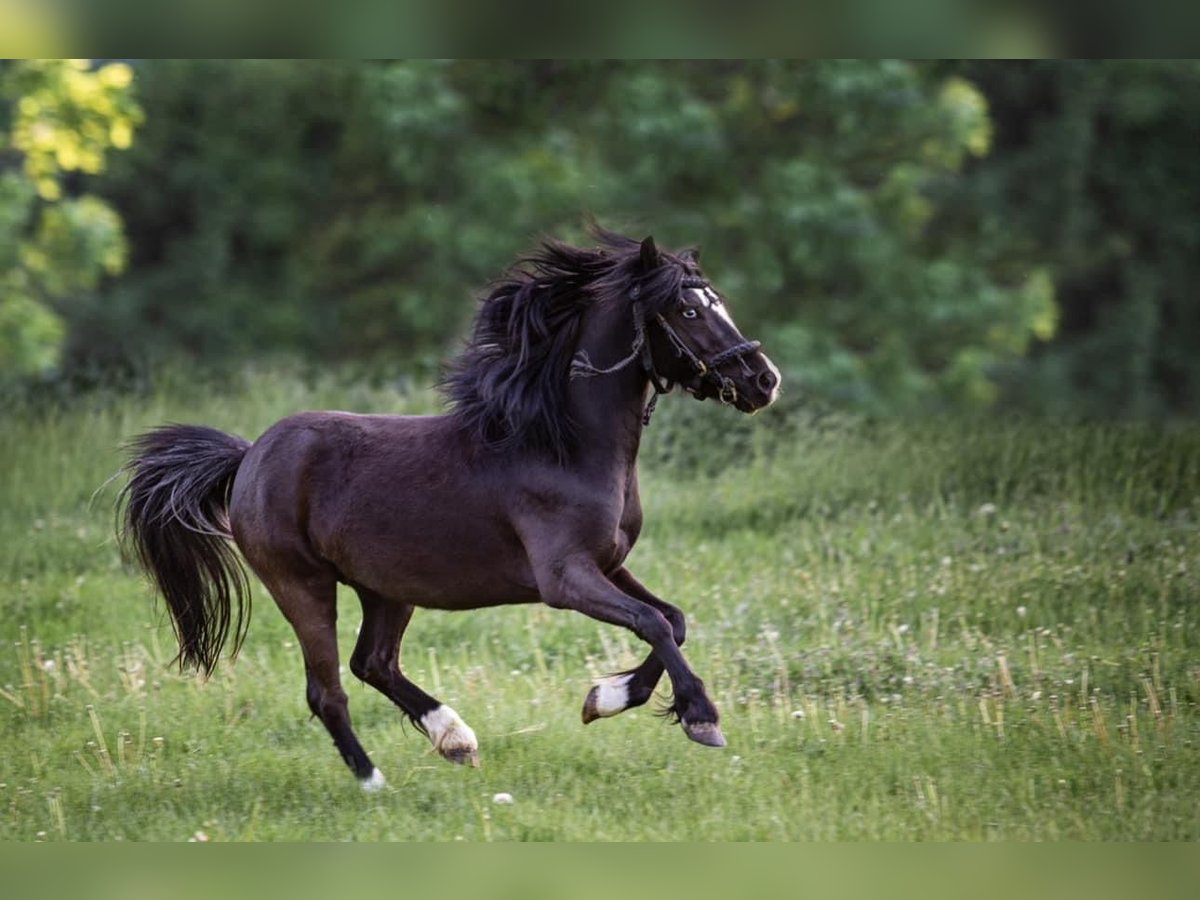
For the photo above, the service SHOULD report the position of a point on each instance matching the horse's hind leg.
(310, 605)
(376, 660)
(620, 691)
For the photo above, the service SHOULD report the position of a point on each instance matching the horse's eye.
(690, 312)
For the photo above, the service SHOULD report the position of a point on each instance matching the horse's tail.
(176, 520)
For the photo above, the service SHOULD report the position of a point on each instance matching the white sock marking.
(612, 694)
(447, 731)
(374, 782)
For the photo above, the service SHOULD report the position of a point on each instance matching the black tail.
(176, 520)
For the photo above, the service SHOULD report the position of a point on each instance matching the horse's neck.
(607, 409)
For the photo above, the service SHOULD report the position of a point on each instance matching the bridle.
(726, 390)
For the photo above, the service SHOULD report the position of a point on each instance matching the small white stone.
(502, 799)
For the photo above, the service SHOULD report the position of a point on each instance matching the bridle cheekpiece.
(726, 390)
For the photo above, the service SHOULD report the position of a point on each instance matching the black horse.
(525, 492)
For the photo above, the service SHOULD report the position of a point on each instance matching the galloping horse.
(525, 492)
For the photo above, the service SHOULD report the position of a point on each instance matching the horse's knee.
(653, 628)
(326, 703)
(313, 694)
(678, 623)
(362, 669)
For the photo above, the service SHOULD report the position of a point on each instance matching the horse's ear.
(690, 255)
(649, 254)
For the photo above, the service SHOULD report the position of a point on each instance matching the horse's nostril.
(767, 380)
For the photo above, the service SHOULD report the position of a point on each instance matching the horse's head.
(694, 342)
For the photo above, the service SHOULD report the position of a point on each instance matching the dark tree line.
(906, 236)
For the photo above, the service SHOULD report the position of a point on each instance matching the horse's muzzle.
(756, 383)
(748, 383)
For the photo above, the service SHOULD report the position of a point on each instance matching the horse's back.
(304, 454)
(325, 464)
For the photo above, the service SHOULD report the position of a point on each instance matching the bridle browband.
(726, 391)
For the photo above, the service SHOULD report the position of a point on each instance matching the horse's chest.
(631, 521)
(629, 525)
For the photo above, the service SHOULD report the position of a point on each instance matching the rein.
(582, 366)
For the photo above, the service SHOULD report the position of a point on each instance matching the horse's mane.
(508, 386)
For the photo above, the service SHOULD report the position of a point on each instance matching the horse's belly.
(465, 586)
(458, 568)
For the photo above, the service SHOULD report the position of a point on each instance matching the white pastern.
(612, 695)
(448, 732)
(373, 782)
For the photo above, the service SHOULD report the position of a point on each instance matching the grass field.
(930, 631)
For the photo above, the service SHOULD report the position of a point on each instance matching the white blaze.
(778, 379)
(708, 298)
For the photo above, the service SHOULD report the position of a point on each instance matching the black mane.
(509, 384)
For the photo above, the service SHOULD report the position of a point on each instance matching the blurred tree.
(346, 210)
(58, 120)
(1096, 174)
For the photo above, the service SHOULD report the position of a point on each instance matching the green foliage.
(904, 236)
(348, 210)
(64, 118)
(1095, 178)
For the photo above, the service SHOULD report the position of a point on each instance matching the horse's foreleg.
(310, 606)
(579, 584)
(620, 691)
(376, 660)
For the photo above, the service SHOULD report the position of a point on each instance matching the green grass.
(963, 631)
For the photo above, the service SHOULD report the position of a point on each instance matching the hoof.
(706, 733)
(589, 713)
(462, 756)
(591, 706)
